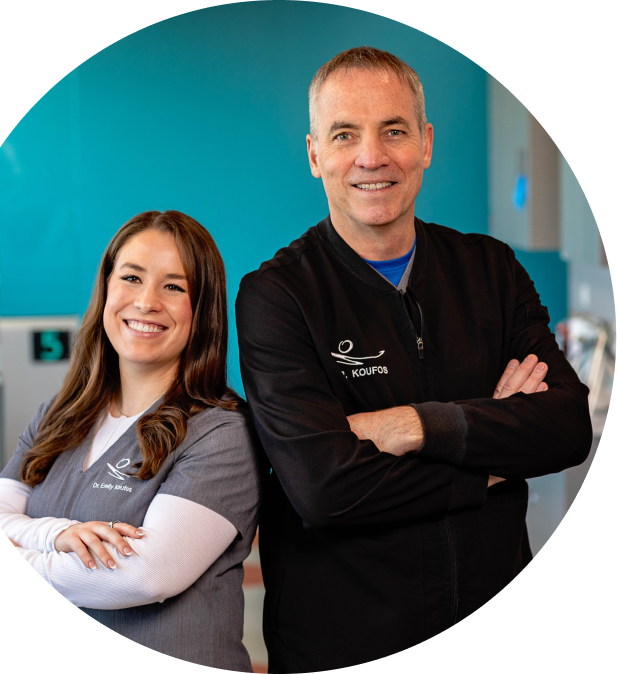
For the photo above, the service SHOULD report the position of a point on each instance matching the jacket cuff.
(468, 489)
(445, 431)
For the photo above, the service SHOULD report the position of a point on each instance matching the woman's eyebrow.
(130, 265)
(136, 267)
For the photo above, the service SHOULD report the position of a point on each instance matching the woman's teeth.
(373, 186)
(144, 327)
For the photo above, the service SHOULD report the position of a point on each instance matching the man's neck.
(376, 242)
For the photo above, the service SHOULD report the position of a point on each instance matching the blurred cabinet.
(33, 363)
(523, 175)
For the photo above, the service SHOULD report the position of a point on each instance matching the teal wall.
(207, 113)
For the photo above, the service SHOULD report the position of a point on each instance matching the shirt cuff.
(445, 431)
(54, 531)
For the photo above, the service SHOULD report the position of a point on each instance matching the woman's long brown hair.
(93, 379)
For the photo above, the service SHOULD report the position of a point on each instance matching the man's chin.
(379, 219)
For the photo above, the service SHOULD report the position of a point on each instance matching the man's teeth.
(144, 327)
(373, 186)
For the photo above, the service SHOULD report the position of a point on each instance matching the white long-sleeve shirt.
(182, 539)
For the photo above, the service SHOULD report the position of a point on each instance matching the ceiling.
(559, 57)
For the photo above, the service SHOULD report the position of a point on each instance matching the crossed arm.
(179, 540)
(399, 430)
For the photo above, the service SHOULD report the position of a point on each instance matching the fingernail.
(92, 565)
(127, 551)
(530, 358)
(111, 565)
(540, 367)
(140, 533)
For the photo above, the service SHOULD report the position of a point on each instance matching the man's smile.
(373, 187)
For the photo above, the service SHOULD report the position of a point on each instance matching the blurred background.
(207, 113)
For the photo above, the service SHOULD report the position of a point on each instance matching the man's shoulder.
(437, 232)
(290, 260)
(474, 247)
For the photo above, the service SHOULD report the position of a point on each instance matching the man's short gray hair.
(373, 60)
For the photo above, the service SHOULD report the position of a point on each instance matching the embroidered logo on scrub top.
(116, 472)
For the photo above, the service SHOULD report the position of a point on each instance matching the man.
(396, 503)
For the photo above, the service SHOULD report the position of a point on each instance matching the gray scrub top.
(215, 466)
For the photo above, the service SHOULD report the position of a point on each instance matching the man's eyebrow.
(395, 120)
(336, 126)
(136, 267)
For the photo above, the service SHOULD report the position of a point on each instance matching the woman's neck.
(140, 388)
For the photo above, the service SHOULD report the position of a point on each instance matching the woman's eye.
(174, 287)
(131, 278)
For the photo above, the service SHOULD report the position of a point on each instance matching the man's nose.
(148, 299)
(372, 153)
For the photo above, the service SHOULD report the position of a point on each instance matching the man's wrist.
(416, 431)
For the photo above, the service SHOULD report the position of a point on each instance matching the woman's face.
(148, 312)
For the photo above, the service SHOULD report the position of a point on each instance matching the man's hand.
(526, 377)
(397, 430)
(86, 537)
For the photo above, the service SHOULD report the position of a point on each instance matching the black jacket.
(363, 553)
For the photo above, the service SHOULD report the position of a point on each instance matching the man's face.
(369, 151)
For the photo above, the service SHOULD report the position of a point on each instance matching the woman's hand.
(87, 536)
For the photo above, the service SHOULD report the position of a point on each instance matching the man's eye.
(395, 132)
(343, 136)
(131, 278)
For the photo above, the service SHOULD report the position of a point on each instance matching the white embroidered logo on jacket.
(344, 348)
(115, 472)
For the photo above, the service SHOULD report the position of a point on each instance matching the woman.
(146, 431)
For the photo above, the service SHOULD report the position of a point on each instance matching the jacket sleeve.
(330, 477)
(524, 435)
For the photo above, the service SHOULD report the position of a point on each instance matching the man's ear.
(311, 148)
(428, 144)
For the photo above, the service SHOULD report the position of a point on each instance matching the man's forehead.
(348, 79)
(348, 93)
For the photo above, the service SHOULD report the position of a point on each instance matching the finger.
(96, 546)
(519, 377)
(82, 552)
(128, 530)
(115, 538)
(543, 387)
(535, 378)
(507, 373)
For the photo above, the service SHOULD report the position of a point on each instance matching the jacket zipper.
(419, 340)
(452, 551)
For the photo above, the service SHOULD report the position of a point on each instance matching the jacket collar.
(361, 269)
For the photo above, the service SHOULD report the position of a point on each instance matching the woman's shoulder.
(32, 429)
(221, 426)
